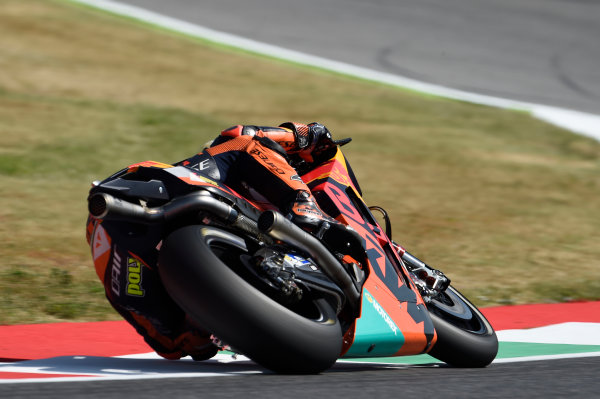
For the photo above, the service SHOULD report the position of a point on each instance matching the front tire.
(192, 268)
(464, 336)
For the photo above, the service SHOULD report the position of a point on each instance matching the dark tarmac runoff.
(539, 51)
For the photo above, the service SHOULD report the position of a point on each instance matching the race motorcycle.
(267, 289)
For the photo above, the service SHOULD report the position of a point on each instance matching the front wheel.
(193, 265)
(464, 336)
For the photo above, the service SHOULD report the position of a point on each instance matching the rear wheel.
(194, 268)
(465, 337)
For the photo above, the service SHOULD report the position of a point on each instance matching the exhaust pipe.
(107, 207)
(280, 228)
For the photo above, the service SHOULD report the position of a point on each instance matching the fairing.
(394, 320)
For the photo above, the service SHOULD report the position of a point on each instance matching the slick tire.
(192, 268)
(464, 336)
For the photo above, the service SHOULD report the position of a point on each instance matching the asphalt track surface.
(542, 51)
(539, 51)
(572, 378)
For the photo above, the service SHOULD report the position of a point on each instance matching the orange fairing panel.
(335, 169)
(387, 327)
(148, 164)
(394, 319)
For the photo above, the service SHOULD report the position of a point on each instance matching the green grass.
(506, 205)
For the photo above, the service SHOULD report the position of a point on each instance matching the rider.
(258, 157)
(245, 156)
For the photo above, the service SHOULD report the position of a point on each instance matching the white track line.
(154, 373)
(546, 357)
(571, 333)
(579, 122)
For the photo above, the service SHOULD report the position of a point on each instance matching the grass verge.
(506, 205)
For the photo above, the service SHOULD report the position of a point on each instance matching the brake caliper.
(430, 282)
(278, 268)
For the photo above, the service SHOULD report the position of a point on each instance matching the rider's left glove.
(311, 140)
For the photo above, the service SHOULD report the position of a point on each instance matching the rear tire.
(464, 336)
(192, 268)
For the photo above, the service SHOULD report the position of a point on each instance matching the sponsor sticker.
(382, 313)
(134, 277)
(115, 275)
(100, 243)
(199, 178)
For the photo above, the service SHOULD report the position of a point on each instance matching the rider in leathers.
(255, 156)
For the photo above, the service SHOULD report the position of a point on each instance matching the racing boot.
(305, 213)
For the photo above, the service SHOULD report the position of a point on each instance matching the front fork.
(429, 281)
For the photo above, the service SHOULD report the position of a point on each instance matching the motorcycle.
(267, 289)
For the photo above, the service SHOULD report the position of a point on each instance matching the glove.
(312, 140)
(321, 141)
